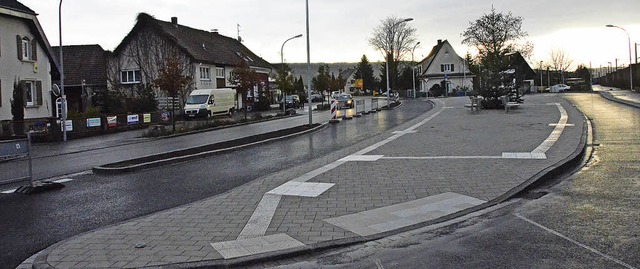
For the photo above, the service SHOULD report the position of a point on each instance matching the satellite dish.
(55, 89)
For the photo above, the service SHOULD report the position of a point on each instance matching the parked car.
(292, 101)
(335, 94)
(558, 88)
(345, 100)
(316, 97)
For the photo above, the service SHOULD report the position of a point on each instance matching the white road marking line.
(575, 242)
(9, 191)
(441, 157)
(263, 214)
(555, 134)
(63, 180)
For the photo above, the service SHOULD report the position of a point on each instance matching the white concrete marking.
(575, 242)
(9, 191)
(400, 215)
(442, 157)
(555, 134)
(362, 158)
(261, 217)
(257, 245)
(566, 125)
(405, 132)
(304, 189)
(63, 180)
(263, 214)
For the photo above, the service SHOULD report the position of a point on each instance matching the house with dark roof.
(207, 57)
(85, 74)
(25, 59)
(444, 64)
(350, 80)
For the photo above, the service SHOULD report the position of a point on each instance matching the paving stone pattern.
(185, 234)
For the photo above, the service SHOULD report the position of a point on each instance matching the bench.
(508, 105)
(475, 103)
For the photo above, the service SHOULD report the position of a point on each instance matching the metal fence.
(15, 160)
(374, 105)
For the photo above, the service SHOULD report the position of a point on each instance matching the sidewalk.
(626, 97)
(446, 163)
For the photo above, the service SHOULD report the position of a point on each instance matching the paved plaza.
(448, 162)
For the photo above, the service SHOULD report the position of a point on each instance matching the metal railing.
(15, 160)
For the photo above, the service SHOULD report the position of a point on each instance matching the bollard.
(334, 112)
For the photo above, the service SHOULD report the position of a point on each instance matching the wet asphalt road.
(590, 219)
(30, 223)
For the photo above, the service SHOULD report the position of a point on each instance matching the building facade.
(444, 66)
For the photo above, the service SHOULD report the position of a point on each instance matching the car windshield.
(344, 96)
(197, 99)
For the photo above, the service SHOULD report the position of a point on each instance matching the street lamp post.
(284, 94)
(541, 83)
(630, 59)
(393, 34)
(413, 70)
(308, 64)
(63, 105)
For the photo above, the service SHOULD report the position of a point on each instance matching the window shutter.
(452, 68)
(23, 87)
(39, 93)
(19, 43)
(442, 68)
(34, 49)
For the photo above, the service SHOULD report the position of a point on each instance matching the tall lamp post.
(63, 106)
(413, 70)
(284, 94)
(541, 83)
(308, 64)
(393, 35)
(630, 57)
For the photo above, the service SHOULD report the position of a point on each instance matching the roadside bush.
(262, 105)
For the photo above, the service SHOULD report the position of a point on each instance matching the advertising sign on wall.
(112, 121)
(93, 122)
(146, 118)
(132, 119)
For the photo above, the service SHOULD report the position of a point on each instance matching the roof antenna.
(239, 38)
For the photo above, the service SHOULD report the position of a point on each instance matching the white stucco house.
(25, 56)
(444, 64)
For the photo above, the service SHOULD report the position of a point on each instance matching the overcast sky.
(339, 30)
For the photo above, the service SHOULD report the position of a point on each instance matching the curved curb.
(610, 97)
(155, 160)
(567, 164)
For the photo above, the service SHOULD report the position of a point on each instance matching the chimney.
(174, 20)
(215, 31)
(439, 41)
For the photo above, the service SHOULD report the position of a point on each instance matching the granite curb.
(562, 166)
(610, 97)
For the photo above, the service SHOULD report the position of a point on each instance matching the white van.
(209, 102)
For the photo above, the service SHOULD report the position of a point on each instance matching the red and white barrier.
(334, 112)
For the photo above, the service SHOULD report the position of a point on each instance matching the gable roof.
(15, 9)
(432, 55)
(16, 6)
(202, 46)
(88, 62)
(347, 73)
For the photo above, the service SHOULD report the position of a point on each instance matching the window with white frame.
(130, 76)
(446, 68)
(219, 72)
(30, 94)
(205, 73)
(26, 48)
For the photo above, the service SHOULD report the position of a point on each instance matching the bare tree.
(394, 39)
(172, 81)
(560, 61)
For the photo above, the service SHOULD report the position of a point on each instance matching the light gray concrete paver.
(357, 184)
